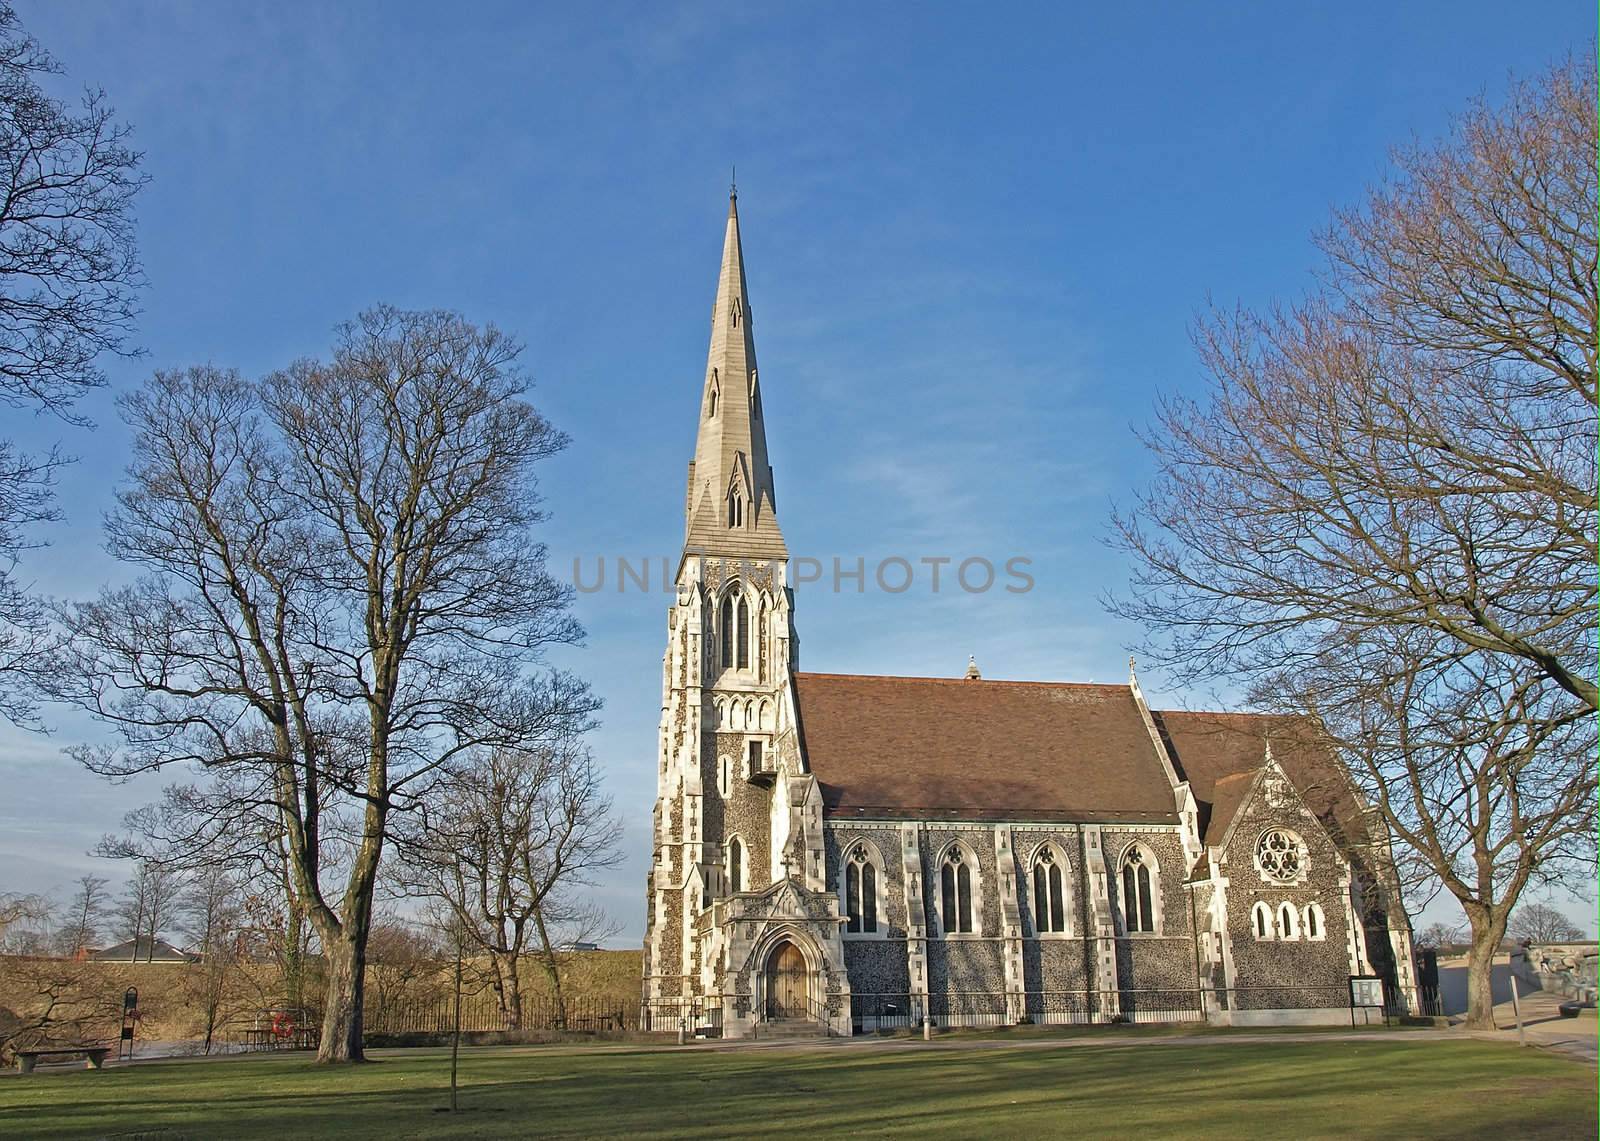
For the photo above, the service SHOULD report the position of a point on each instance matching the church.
(838, 854)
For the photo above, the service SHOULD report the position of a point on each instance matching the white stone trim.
(1286, 917)
(1067, 899)
(744, 862)
(1303, 854)
(1157, 908)
(1263, 923)
(1313, 912)
(880, 888)
(969, 858)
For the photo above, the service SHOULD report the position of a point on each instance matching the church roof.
(1218, 753)
(969, 749)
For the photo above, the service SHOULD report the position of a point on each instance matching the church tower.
(736, 884)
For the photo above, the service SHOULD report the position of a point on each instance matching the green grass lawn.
(1389, 1086)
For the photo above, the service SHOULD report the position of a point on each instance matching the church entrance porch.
(781, 963)
(788, 983)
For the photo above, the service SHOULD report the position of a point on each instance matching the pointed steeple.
(731, 502)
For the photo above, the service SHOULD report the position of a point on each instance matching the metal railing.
(817, 1011)
(701, 1016)
(877, 1012)
(696, 1017)
(1127, 1005)
(1066, 1007)
(1327, 996)
(482, 1012)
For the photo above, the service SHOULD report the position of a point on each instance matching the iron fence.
(1332, 996)
(874, 1012)
(698, 1017)
(695, 1016)
(1138, 1006)
(481, 1012)
(1066, 1007)
(889, 1011)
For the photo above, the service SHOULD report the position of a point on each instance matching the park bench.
(94, 1054)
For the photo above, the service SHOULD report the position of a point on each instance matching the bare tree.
(224, 822)
(506, 843)
(213, 915)
(46, 1001)
(25, 637)
(404, 961)
(69, 273)
(26, 921)
(149, 906)
(1385, 510)
(1414, 447)
(1480, 764)
(1542, 923)
(83, 916)
(1437, 936)
(344, 593)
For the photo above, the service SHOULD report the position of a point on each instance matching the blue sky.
(976, 238)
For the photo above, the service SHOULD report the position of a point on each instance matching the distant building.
(141, 950)
(848, 850)
(578, 946)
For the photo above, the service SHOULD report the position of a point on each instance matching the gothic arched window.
(1261, 920)
(735, 865)
(1288, 921)
(726, 633)
(955, 883)
(861, 891)
(742, 638)
(1049, 910)
(761, 647)
(1138, 892)
(735, 508)
(1315, 927)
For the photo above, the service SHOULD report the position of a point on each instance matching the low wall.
(1560, 968)
(1295, 1017)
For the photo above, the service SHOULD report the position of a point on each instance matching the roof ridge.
(962, 681)
(1231, 713)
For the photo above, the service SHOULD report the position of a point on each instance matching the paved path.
(1543, 1026)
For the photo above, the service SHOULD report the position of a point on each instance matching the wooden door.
(788, 991)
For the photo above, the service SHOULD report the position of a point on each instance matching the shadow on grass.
(1386, 1088)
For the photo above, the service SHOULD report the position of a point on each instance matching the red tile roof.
(1213, 748)
(917, 747)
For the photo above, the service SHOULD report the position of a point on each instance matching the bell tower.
(737, 816)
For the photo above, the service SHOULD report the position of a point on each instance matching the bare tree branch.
(1385, 509)
(342, 594)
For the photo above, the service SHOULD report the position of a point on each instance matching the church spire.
(731, 502)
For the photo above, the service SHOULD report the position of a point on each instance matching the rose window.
(1279, 855)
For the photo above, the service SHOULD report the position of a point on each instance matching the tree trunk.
(546, 954)
(342, 1001)
(211, 1023)
(510, 988)
(294, 964)
(1488, 929)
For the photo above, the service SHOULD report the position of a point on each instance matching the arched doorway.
(788, 983)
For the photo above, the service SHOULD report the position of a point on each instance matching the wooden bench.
(94, 1055)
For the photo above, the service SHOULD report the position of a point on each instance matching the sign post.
(1366, 992)
(1516, 1010)
(130, 1018)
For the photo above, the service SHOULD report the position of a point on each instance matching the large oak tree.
(69, 278)
(343, 591)
(1384, 508)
